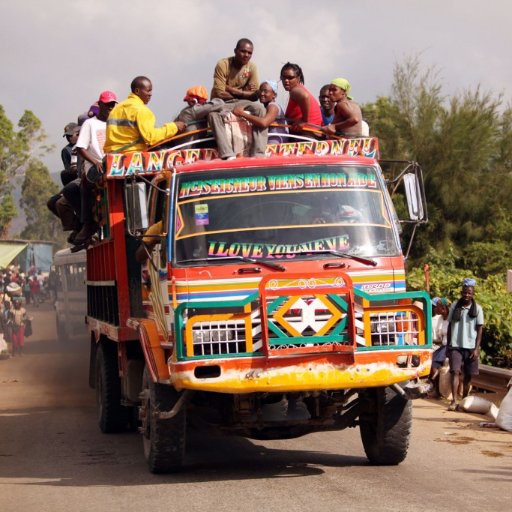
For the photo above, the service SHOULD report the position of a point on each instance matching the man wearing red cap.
(90, 147)
(92, 135)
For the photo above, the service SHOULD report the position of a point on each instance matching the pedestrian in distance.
(17, 319)
(440, 325)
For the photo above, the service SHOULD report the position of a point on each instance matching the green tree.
(12, 153)
(19, 149)
(37, 187)
(7, 212)
(464, 145)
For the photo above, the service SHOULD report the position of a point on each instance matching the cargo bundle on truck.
(272, 300)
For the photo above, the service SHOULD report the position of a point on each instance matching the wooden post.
(426, 271)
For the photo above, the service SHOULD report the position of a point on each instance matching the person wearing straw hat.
(347, 113)
(464, 336)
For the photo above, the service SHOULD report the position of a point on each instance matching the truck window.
(281, 211)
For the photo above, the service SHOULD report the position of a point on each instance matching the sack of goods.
(4, 350)
(445, 381)
(14, 290)
(504, 419)
(479, 405)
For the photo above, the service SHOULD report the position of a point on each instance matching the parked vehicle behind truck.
(273, 302)
(70, 294)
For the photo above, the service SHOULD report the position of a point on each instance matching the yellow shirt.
(131, 127)
(150, 237)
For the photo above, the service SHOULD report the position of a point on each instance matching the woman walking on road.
(17, 317)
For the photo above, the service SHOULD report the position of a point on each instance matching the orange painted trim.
(154, 354)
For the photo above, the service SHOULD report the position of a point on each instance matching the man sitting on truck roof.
(90, 148)
(326, 105)
(236, 78)
(131, 125)
(195, 114)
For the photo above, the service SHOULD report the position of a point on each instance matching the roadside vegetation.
(464, 146)
(21, 150)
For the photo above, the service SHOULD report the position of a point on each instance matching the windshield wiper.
(244, 259)
(365, 261)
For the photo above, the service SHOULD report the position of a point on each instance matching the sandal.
(453, 406)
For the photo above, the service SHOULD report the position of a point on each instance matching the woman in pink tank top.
(303, 108)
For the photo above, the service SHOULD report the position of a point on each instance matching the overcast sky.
(56, 56)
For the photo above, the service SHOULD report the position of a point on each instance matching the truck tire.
(163, 440)
(386, 428)
(111, 415)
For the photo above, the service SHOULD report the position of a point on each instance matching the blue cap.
(469, 281)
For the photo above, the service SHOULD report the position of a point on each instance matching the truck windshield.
(281, 214)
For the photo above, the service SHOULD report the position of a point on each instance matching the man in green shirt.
(236, 78)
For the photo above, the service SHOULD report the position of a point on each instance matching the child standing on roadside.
(464, 336)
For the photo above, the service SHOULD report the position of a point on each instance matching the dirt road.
(54, 458)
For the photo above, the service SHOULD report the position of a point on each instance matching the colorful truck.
(272, 304)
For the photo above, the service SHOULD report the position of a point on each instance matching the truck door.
(156, 267)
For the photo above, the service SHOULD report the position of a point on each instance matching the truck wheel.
(111, 415)
(386, 427)
(163, 440)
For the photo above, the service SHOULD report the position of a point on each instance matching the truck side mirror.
(136, 207)
(414, 195)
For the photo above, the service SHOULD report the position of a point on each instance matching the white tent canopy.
(9, 251)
